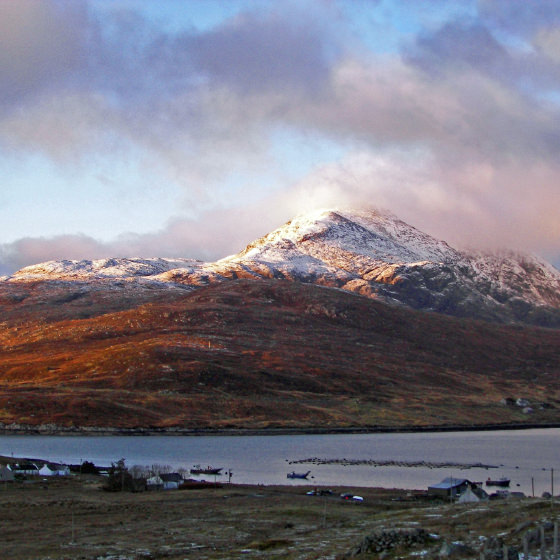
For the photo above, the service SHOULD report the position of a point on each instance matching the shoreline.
(52, 430)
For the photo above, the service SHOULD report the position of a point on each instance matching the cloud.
(41, 47)
(195, 107)
(213, 235)
(518, 16)
(464, 208)
(27, 251)
(458, 46)
(459, 133)
(262, 52)
(548, 42)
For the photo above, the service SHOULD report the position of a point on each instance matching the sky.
(189, 128)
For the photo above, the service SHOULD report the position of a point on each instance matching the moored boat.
(197, 469)
(294, 474)
(503, 482)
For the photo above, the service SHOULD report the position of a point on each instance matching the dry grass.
(71, 519)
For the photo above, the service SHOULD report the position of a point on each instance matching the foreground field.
(75, 519)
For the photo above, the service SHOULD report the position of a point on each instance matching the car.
(351, 497)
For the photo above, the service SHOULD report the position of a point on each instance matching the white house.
(52, 469)
(25, 469)
(154, 483)
(468, 497)
(171, 481)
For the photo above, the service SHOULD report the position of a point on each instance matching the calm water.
(526, 456)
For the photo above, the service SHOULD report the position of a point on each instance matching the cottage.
(25, 469)
(154, 483)
(171, 481)
(6, 475)
(53, 469)
(449, 487)
(472, 494)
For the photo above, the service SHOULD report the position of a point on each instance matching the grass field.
(73, 518)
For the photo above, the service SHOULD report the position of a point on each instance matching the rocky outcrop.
(385, 540)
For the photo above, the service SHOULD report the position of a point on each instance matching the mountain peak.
(371, 233)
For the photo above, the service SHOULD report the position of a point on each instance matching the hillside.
(259, 353)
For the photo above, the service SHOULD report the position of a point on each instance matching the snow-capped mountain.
(367, 252)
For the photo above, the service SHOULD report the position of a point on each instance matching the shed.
(449, 487)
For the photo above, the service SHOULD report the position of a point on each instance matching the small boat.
(503, 482)
(197, 469)
(294, 474)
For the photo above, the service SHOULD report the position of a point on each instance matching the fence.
(539, 543)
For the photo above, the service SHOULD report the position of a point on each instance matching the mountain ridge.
(368, 252)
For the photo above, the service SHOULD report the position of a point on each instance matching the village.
(119, 477)
(53, 511)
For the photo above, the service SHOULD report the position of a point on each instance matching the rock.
(382, 541)
(450, 550)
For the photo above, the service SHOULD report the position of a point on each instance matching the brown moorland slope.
(261, 354)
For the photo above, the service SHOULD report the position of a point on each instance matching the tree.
(161, 469)
(88, 467)
(119, 478)
(140, 471)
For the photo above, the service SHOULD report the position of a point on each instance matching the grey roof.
(171, 477)
(450, 482)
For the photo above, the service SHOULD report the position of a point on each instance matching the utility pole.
(551, 486)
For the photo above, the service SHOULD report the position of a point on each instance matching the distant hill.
(261, 354)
